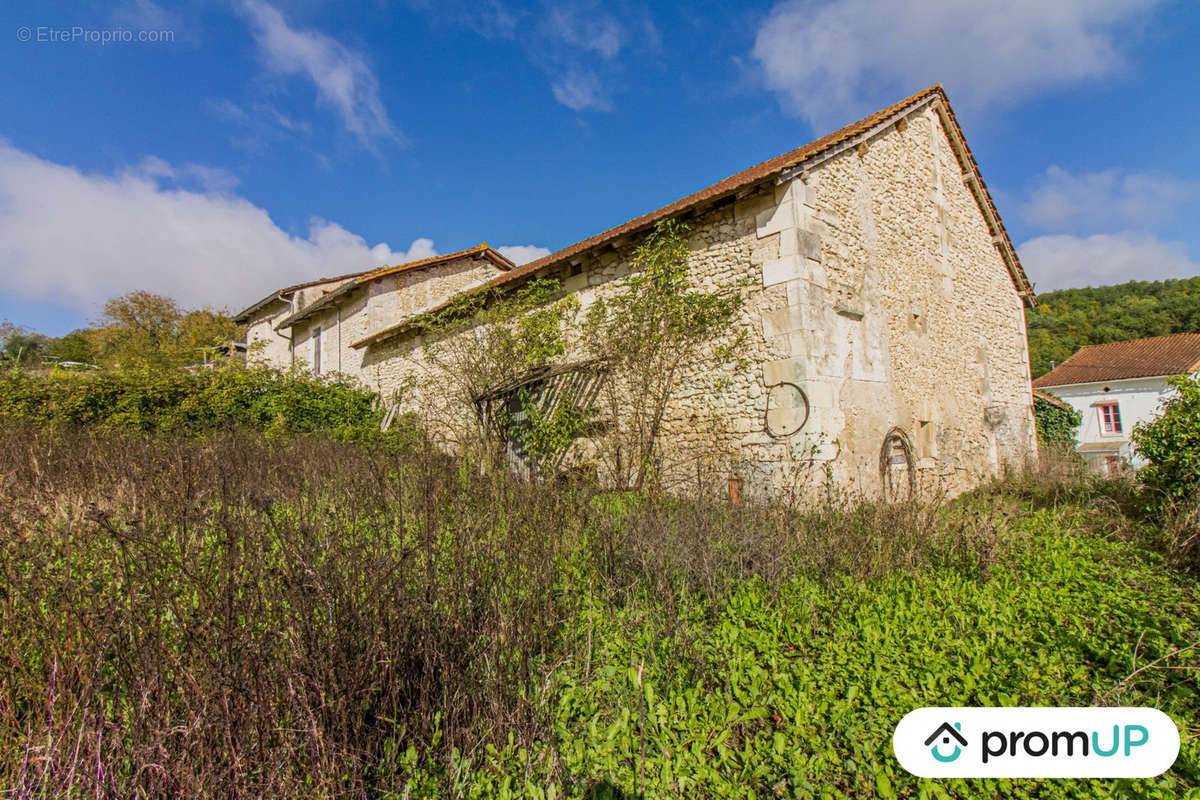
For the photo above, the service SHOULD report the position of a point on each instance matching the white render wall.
(1137, 398)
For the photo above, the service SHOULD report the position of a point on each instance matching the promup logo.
(1036, 742)
(946, 732)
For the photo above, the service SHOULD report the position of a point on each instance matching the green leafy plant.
(652, 330)
(191, 403)
(1056, 424)
(1171, 443)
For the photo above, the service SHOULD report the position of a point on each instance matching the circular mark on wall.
(896, 466)
(787, 409)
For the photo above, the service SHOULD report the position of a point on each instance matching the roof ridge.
(386, 269)
(1139, 339)
(1126, 359)
(772, 166)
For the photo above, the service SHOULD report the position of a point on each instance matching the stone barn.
(883, 307)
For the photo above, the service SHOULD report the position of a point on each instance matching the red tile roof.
(1049, 398)
(767, 169)
(366, 275)
(1140, 358)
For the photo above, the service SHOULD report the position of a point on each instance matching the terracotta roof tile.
(1139, 358)
(1049, 398)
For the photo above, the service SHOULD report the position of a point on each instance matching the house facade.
(312, 325)
(883, 307)
(1114, 386)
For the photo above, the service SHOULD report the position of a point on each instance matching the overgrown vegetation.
(1056, 423)
(538, 381)
(243, 616)
(190, 403)
(1170, 441)
(1069, 319)
(652, 329)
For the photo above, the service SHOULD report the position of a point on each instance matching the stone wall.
(376, 305)
(265, 346)
(876, 306)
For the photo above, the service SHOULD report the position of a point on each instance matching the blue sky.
(260, 143)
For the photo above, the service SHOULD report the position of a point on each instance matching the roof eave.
(838, 141)
(245, 314)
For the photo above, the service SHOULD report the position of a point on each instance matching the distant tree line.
(1069, 319)
(136, 330)
(143, 329)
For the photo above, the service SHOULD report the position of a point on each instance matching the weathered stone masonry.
(881, 302)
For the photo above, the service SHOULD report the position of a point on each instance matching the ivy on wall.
(1056, 424)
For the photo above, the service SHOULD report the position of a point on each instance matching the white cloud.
(522, 253)
(578, 90)
(145, 15)
(78, 239)
(833, 60)
(208, 179)
(601, 34)
(582, 46)
(1061, 262)
(1110, 199)
(342, 78)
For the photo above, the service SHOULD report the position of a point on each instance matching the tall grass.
(243, 616)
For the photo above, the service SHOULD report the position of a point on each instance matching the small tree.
(20, 347)
(76, 346)
(142, 329)
(1171, 443)
(651, 333)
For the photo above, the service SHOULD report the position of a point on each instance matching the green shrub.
(174, 401)
(1171, 443)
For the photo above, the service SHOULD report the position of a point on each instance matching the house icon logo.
(946, 732)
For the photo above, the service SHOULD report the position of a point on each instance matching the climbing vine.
(1055, 424)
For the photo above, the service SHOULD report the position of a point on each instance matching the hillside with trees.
(1069, 319)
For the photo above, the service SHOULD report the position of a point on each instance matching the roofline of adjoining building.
(246, 312)
(1078, 361)
(482, 250)
(1106, 381)
(1049, 398)
(781, 168)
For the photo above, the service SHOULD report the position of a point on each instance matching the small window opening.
(316, 337)
(1110, 418)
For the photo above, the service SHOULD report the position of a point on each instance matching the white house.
(1114, 386)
